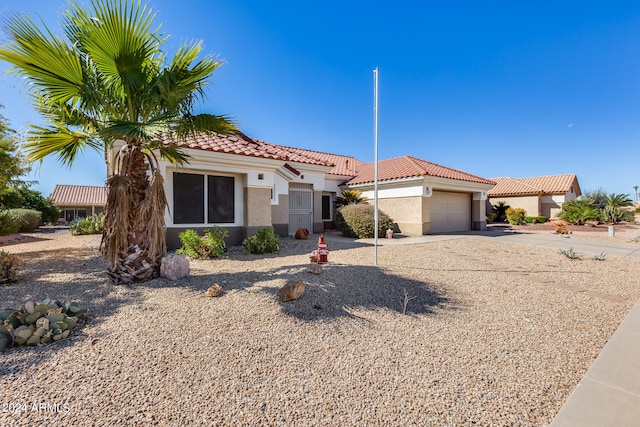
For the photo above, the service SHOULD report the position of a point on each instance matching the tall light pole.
(375, 168)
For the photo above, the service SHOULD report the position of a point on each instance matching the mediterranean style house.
(78, 201)
(539, 195)
(242, 183)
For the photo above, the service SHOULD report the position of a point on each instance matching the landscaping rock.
(213, 291)
(174, 267)
(292, 290)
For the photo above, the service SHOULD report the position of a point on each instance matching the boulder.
(174, 267)
(292, 290)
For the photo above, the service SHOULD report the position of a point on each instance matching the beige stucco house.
(424, 197)
(538, 196)
(242, 183)
(78, 201)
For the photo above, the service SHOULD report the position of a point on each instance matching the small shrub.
(570, 253)
(210, 245)
(562, 229)
(9, 267)
(491, 217)
(515, 216)
(638, 210)
(7, 224)
(600, 257)
(535, 219)
(265, 240)
(90, 225)
(27, 220)
(358, 221)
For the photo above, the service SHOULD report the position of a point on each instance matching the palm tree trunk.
(134, 254)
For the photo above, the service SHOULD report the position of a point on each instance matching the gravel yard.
(494, 334)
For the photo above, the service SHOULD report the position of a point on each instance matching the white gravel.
(493, 335)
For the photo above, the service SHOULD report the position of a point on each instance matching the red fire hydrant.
(323, 251)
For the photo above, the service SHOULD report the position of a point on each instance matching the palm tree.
(349, 197)
(618, 200)
(109, 81)
(635, 187)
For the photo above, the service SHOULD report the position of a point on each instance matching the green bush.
(265, 240)
(579, 211)
(210, 245)
(515, 216)
(7, 224)
(491, 217)
(535, 219)
(358, 221)
(27, 220)
(90, 225)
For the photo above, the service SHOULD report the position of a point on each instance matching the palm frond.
(61, 141)
(46, 61)
(192, 125)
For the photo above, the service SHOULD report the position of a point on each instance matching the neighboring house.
(78, 201)
(242, 184)
(538, 196)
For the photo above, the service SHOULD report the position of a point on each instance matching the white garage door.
(450, 212)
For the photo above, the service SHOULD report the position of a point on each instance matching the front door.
(300, 207)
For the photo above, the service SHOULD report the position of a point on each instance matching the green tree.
(109, 80)
(12, 163)
(349, 197)
(598, 196)
(500, 209)
(26, 198)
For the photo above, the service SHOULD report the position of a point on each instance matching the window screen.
(220, 199)
(188, 198)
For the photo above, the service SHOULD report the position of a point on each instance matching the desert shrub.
(358, 221)
(613, 215)
(210, 245)
(90, 225)
(27, 220)
(638, 210)
(265, 240)
(535, 219)
(570, 253)
(515, 216)
(491, 217)
(562, 229)
(579, 211)
(9, 267)
(7, 224)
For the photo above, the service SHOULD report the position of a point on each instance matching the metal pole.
(375, 155)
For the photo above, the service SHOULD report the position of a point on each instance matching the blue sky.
(498, 88)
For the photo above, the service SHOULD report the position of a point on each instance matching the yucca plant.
(109, 80)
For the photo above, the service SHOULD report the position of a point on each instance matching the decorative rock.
(213, 291)
(315, 269)
(292, 290)
(174, 267)
(302, 233)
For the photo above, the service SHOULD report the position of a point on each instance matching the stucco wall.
(280, 215)
(406, 212)
(531, 204)
(257, 213)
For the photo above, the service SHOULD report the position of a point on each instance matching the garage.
(450, 212)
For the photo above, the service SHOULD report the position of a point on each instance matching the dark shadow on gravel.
(340, 289)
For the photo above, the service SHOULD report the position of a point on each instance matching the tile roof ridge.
(449, 168)
(519, 181)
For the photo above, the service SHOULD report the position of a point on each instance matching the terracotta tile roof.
(551, 184)
(343, 165)
(244, 145)
(407, 167)
(79, 195)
